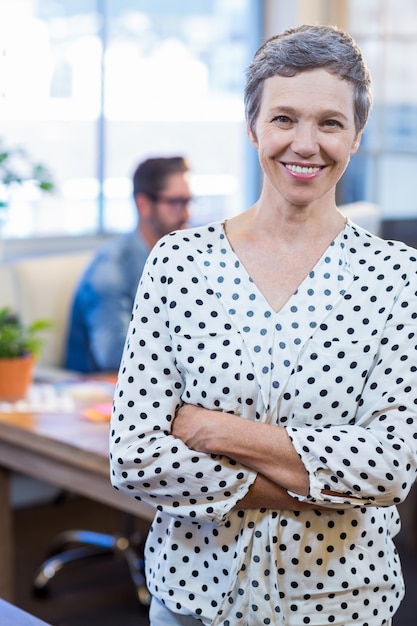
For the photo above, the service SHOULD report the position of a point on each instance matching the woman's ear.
(252, 136)
(356, 143)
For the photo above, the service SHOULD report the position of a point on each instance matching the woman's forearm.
(265, 448)
(264, 493)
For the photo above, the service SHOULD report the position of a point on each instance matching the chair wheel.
(40, 592)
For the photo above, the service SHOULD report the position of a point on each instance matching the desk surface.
(59, 436)
(64, 449)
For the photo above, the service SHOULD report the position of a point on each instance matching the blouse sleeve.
(147, 462)
(372, 460)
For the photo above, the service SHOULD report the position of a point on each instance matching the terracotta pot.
(16, 376)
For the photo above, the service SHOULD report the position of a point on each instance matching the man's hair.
(151, 175)
(306, 48)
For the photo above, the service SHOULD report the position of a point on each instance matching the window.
(91, 87)
(384, 169)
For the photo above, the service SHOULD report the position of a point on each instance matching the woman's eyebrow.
(286, 110)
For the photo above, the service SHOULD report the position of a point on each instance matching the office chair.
(78, 545)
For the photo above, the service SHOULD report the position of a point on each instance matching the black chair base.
(78, 545)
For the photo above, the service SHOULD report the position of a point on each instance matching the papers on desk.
(99, 412)
(41, 398)
(91, 398)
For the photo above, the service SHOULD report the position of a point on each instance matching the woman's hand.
(198, 427)
(264, 493)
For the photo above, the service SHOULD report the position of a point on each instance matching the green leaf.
(16, 339)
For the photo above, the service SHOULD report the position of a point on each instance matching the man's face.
(170, 210)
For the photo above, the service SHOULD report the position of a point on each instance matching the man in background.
(104, 298)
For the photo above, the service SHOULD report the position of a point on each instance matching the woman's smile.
(303, 171)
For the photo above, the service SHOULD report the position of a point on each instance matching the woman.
(266, 404)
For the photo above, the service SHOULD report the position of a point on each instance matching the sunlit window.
(91, 87)
(385, 170)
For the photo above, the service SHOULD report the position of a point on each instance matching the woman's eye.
(281, 119)
(332, 124)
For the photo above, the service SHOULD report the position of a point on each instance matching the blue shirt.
(102, 305)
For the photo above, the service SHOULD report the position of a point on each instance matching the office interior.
(89, 88)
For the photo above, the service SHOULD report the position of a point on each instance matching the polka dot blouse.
(336, 367)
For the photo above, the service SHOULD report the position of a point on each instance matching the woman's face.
(305, 134)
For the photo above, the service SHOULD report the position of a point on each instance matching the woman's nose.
(305, 140)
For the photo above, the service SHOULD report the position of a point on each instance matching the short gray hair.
(306, 48)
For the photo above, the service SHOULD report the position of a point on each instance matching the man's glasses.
(175, 203)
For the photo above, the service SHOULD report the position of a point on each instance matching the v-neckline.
(333, 245)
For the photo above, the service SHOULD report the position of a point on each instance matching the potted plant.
(20, 345)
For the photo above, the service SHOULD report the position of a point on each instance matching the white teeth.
(302, 170)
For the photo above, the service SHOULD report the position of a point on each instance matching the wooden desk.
(63, 449)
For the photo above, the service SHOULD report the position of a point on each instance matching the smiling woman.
(262, 363)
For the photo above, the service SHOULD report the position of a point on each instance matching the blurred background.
(88, 89)
(91, 87)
